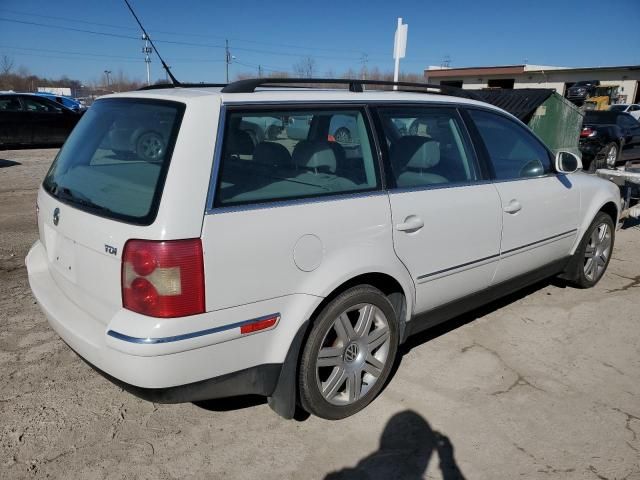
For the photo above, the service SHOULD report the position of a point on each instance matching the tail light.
(163, 279)
(588, 132)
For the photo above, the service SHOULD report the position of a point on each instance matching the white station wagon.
(216, 259)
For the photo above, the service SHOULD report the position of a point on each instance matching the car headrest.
(240, 143)
(272, 154)
(315, 156)
(415, 152)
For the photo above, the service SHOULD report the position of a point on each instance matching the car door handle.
(514, 207)
(411, 224)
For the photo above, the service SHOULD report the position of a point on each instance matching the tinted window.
(427, 147)
(627, 120)
(514, 151)
(600, 117)
(10, 104)
(34, 104)
(617, 108)
(115, 160)
(285, 154)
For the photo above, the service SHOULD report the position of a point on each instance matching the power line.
(176, 42)
(101, 55)
(73, 58)
(108, 25)
(24, 22)
(66, 52)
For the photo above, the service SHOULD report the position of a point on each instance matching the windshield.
(115, 161)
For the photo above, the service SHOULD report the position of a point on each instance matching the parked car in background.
(70, 103)
(31, 120)
(632, 109)
(607, 138)
(342, 129)
(581, 90)
(142, 134)
(294, 268)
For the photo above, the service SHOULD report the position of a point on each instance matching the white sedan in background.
(630, 108)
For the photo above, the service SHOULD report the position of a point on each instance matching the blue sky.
(276, 34)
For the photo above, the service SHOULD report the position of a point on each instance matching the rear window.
(617, 108)
(600, 117)
(115, 161)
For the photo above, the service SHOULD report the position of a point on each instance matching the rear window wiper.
(79, 199)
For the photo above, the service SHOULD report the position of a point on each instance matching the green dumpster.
(552, 117)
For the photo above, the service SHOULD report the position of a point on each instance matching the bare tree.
(305, 67)
(6, 65)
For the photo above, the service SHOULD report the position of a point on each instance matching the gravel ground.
(544, 384)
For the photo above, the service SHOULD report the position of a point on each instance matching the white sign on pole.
(400, 42)
(399, 48)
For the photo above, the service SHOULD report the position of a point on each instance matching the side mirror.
(567, 162)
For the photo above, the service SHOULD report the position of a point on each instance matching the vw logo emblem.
(56, 216)
(351, 353)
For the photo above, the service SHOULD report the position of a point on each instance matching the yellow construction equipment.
(602, 97)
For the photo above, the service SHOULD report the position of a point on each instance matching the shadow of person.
(406, 447)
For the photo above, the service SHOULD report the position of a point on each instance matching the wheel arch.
(400, 298)
(612, 210)
(607, 206)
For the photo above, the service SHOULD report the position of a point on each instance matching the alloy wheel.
(353, 354)
(150, 146)
(612, 155)
(597, 252)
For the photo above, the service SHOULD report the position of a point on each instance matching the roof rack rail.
(160, 86)
(355, 85)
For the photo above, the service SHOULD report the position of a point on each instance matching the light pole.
(107, 74)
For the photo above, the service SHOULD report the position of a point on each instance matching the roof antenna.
(164, 65)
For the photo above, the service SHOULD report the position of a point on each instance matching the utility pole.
(259, 71)
(364, 59)
(146, 51)
(227, 56)
(107, 74)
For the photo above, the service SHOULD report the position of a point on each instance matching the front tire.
(349, 353)
(592, 256)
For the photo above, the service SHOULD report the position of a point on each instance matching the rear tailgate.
(83, 255)
(105, 188)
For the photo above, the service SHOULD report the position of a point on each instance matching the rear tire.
(150, 147)
(342, 135)
(349, 354)
(592, 256)
(611, 154)
(597, 162)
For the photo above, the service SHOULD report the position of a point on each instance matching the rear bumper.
(258, 380)
(219, 364)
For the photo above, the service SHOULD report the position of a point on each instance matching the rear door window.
(286, 154)
(427, 147)
(10, 104)
(34, 104)
(115, 161)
